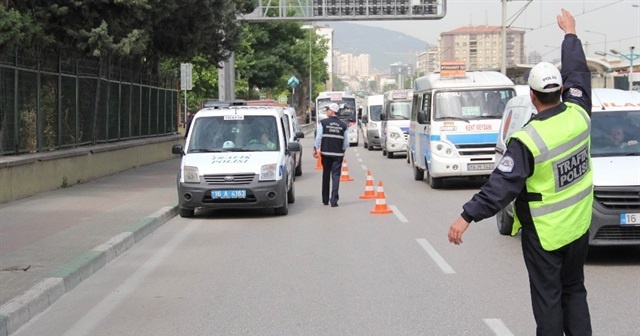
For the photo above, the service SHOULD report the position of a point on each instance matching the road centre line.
(398, 214)
(498, 327)
(436, 256)
(364, 167)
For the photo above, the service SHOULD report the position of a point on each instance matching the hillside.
(385, 46)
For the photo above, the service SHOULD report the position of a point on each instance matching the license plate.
(479, 166)
(229, 194)
(630, 219)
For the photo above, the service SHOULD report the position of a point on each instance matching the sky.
(616, 22)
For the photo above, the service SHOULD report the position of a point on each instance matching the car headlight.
(395, 135)
(268, 172)
(191, 174)
(445, 150)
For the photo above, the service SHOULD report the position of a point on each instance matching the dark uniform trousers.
(331, 171)
(556, 278)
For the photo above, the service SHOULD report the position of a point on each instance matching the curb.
(20, 310)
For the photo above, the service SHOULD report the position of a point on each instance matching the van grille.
(229, 179)
(476, 149)
(618, 233)
(618, 198)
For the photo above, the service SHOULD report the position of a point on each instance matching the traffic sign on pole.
(186, 79)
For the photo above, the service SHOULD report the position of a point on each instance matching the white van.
(370, 121)
(347, 113)
(615, 154)
(394, 129)
(237, 157)
(295, 134)
(455, 120)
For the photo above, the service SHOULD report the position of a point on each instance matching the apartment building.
(481, 47)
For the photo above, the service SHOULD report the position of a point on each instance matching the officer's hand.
(567, 22)
(315, 153)
(457, 229)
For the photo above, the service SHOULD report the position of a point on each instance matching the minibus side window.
(426, 106)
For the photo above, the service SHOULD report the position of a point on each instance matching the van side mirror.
(383, 116)
(359, 112)
(177, 149)
(299, 135)
(365, 119)
(294, 146)
(422, 117)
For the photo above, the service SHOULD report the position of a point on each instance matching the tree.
(139, 31)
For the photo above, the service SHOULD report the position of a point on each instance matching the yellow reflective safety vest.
(561, 187)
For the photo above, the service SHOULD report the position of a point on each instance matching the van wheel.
(186, 213)
(434, 182)
(370, 147)
(505, 222)
(364, 144)
(299, 169)
(384, 151)
(418, 174)
(284, 209)
(291, 194)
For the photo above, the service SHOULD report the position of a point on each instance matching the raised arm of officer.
(576, 77)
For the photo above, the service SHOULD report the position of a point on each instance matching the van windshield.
(471, 104)
(400, 110)
(615, 134)
(234, 133)
(374, 112)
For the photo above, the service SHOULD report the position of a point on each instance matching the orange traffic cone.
(319, 162)
(368, 187)
(381, 202)
(345, 172)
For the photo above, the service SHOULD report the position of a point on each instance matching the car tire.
(364, 144)
(299, 169)
(505, 222)
(418, 174)
(284, 209)
(291, 194)
(384, 151)
(187, 213)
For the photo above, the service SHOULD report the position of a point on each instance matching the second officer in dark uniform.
(331, 142)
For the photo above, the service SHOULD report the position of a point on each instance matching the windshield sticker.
(234, 117)
(220, 159)
(471, 111)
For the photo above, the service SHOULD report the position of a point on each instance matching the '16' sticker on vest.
(572, 168)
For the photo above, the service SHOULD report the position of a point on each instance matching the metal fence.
(48, 102)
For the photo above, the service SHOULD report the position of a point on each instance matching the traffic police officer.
(547, 169)
(331, 142)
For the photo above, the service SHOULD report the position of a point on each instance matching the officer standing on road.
(331, 142)
(547, 169)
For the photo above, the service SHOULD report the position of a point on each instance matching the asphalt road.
(333, 271)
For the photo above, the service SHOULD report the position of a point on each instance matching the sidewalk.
(52, 241)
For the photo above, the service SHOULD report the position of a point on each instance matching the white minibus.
(455, 121)
(394, 129)
(370, 121)
(347, 112)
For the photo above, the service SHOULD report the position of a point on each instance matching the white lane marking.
(398, 214)
(364, 167)
(91, 319)
(359, 160)
(498, 327)
(436, 256)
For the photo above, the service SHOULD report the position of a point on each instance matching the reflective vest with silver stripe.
(562, 176)
(333, 130)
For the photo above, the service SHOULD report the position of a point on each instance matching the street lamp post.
(605, 40)
(630, 58)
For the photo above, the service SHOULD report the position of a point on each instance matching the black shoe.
(325, 203)
(333, 205)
